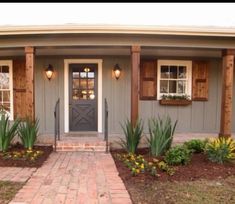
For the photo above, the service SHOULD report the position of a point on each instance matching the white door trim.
(66, 89)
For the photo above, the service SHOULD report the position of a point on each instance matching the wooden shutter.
(200, 80)
(19, 88)
(148, 80)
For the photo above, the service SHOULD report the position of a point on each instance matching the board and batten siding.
(47, 92)
(200, 117)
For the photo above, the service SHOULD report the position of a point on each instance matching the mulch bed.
(26, 163)
(199, 168)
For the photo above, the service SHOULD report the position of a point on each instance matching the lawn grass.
(190, 192)
(8, 190)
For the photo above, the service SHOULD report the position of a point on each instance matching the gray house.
(153, 62)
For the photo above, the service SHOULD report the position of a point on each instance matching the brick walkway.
(75, 177)
(16, 174)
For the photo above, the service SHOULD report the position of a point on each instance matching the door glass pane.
(163, 86)
(83, 83)
(76, 94)
(91, 95)
(172, 86)
(173, 72)
(75, 83)
(182, 72)
(83, 94)
(75, 75)
(83, 74)
(91, 83)
(91, 75)
(164, 72)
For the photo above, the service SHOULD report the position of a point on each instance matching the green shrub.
(7, 131)
(133, 135)
(28, 132)
(161, 135)
(220, 150)
(178, 155)
(195, 145)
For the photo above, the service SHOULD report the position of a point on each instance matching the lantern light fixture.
(117, 71)
(49, 71)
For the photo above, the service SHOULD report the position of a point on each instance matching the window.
(6, 87)
(83, 84)
(174, 78)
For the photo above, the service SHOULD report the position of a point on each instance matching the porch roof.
(108, 36)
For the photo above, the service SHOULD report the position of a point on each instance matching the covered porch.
(37, 97)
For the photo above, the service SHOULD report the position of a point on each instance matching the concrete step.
(83, 146)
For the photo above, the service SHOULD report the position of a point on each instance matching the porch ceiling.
(114, 50)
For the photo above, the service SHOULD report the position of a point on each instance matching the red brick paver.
(75, 177)
(16, 174)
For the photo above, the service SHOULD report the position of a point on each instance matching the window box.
(175, 102)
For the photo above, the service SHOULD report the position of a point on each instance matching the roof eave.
(110, 29)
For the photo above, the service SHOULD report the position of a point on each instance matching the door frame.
(99, 62)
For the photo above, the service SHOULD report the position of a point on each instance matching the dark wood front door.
(83, 97)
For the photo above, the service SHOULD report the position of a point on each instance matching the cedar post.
(135, 64)
(227, 93)
(30, 109)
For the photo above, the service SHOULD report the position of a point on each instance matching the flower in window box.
(175, 97)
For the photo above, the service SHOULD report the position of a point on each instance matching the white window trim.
(9, 64)
(66, 90)
(186, 63)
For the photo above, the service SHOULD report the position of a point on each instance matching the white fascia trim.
(99, 62)
(119, 29)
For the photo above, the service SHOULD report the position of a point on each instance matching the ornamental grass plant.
(220, 150)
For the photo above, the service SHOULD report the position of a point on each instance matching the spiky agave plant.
(133, 135)
(161, 135)
(28, 132)
(7, 131)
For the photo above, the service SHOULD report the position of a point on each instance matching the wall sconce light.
(49, 71)
(117, 71)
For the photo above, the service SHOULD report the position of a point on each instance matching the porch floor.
(95, 141)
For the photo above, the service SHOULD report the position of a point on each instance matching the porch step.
(83, 146)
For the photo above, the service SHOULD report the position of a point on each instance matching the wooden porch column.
(30, 109)
(227, 93)
(135, 65)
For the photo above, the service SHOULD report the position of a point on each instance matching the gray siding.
(47, 92)
(117, 92)
(199, 117)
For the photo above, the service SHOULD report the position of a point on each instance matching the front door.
(83, 97)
